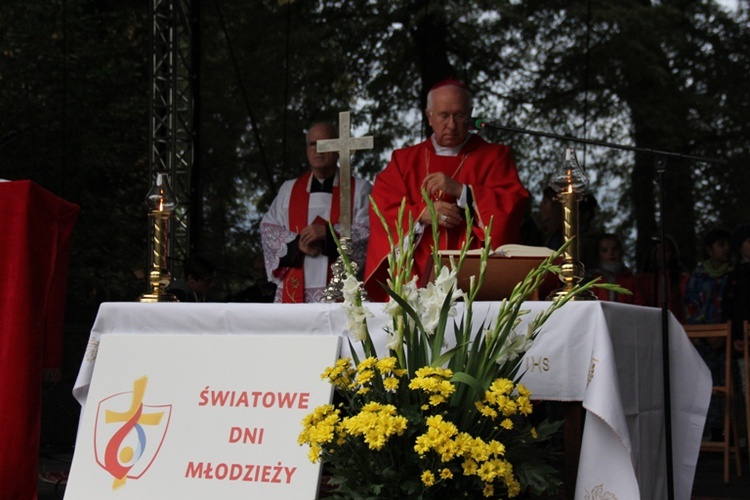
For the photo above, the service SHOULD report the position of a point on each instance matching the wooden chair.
(726, 391)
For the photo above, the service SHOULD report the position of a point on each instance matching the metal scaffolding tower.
(172, 112)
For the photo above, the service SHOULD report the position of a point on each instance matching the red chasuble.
(486, 168)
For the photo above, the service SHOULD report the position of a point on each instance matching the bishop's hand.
(448, 215)
(438, 184)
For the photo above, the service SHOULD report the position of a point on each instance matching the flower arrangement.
(429, 421)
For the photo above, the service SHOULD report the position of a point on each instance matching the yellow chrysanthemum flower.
(470, 467)
(524, 405)
(364, 376)
(376, 423)
(390, 384)
(367, 363)
(485, 410)
(501, 386)
(386, 365)
(523, 391)
(428, 478)
(514, 488)
(341, 374)
(486, 472)
(446, 474)
(507, 406)
(496, 448)
(507, 424)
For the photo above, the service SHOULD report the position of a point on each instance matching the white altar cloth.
(606, 355)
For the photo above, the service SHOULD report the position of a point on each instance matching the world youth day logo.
(128, 434)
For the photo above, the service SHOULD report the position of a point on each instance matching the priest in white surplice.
(297, 244)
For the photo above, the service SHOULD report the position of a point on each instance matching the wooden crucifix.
(345, 145)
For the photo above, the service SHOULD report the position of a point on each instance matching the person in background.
(589, 230)
(550, 218)
(458, 169)
(198, 281)
(705, 288)
(704, 295)
(298, 246)
(736, 305)
(260, 289)
(648, 283)
(612, 269)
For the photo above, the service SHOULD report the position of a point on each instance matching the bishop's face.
(323, 165)
(448, 113)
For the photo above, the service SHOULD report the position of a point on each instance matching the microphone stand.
(660, 161)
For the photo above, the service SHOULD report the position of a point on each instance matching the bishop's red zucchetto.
(448, 81)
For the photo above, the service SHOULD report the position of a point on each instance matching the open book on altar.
(509, 250)
(507, 266)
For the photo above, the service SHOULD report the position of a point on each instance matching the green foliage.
(663, 75)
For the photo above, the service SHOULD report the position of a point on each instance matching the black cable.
(587, 76)
(243, 91)
(286, 80)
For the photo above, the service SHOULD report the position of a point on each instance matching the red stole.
(299, 203)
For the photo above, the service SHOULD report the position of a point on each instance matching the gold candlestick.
(570, 182)
(161, 203)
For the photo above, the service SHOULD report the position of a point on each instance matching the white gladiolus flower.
(446, 280)
(394, 340)
(350, 288)
(356, 314)
(357, 321)
(410, 293)
(431, 299)
(358, 331)
(392, 308)
(515, 345)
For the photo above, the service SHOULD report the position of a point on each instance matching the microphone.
(478, 122)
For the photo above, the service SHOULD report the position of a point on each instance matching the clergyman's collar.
(448, 151)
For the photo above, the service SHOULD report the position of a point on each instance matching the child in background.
(703, 305)
(736, 304)
(705, 288)
(612, 269)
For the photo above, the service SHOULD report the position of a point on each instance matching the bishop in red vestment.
(458, 169)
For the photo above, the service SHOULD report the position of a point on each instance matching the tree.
(76, 88)
(664, 75)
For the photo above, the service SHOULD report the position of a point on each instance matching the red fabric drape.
(34, 249)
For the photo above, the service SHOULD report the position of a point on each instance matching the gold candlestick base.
(571, 273)
(158, 279)
(157, 297)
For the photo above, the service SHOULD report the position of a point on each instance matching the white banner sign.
(200, 416)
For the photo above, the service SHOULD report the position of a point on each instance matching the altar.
(606, 355)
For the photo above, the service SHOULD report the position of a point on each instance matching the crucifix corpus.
(344, 146)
